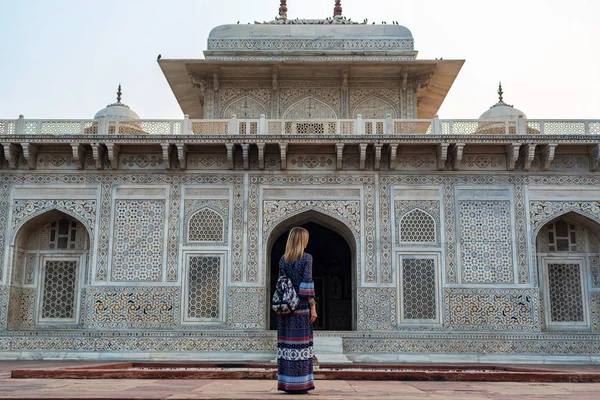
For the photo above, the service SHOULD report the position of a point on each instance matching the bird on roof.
(159, 57)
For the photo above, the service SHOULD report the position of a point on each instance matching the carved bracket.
(166, 154)
(339, 151)
(78, 154)
(512, 155)
(457, 155)
(11, 154)
(378, 147)
(594, 152)
(182, 155)
(246, 155)
(113, 151)
(98, 154)
(30, 154)
(363, 155)
(283, 151)
(393, 153)
(547, 152)
(442, 155)
(528, 152)
(261, 155)
(229, 155)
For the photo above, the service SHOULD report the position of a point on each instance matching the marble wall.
(472, 235)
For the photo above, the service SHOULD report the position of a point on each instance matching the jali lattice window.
(417, 226)
(206, 226)
(562, 236)
(419, 289)
(63, 234)
(204, 287)
(565, 289)
(59, 287)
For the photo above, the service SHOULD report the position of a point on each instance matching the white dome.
(117, 111)
(502, 111)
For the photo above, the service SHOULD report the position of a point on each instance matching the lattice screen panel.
(419, 289)
(58, 288)
(204, 287)
(566, 294)
(206, 226)
(417, 227)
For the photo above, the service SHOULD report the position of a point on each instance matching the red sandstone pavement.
(262, 389)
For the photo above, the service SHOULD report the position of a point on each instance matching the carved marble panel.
(416, 162)
(492, 309)
(595, 310)
(486, 241)
(377, 309)
(138, 240)
(59, 161)
(311, 162)
(479, 162)
(246, 307)
(207, 161)
(141, 161)
(132, 307)
(21, 308)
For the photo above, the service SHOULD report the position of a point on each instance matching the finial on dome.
(283, 10)
(337, 9)
(119, 94)
(500, 92)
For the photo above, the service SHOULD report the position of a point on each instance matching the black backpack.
(285, 300)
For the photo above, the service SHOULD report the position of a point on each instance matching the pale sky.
(65, 58)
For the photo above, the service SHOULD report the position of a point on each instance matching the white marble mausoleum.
(433, 239)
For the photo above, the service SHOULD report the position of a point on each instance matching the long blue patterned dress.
(294, 332)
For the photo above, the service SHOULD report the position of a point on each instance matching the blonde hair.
(296, 243)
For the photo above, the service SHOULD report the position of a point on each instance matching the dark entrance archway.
(332, 273)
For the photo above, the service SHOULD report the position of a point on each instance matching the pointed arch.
(244, 108)
(303, 216)
(417, 226)
(47, 214)
(375, 108)
(51, 250)
(309, 108)
(206, 225)
(311, 217)
(581, 215)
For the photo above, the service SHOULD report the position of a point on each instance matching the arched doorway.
(49, 257)
(568, 256)
(334, 258)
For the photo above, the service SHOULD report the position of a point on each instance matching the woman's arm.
(307, 288)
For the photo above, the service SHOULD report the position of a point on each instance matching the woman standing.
(294, 331)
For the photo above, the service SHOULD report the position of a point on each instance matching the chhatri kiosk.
(433, 239)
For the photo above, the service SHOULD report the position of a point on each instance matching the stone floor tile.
(384, 387)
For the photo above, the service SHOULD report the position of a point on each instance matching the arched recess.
(375, 108)
(417, 226)
(244, 108)
(567, 251)
(309, 108)
(49, 256)
(206, 225)
(312, 220)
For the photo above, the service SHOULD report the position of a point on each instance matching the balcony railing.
(263, 126)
